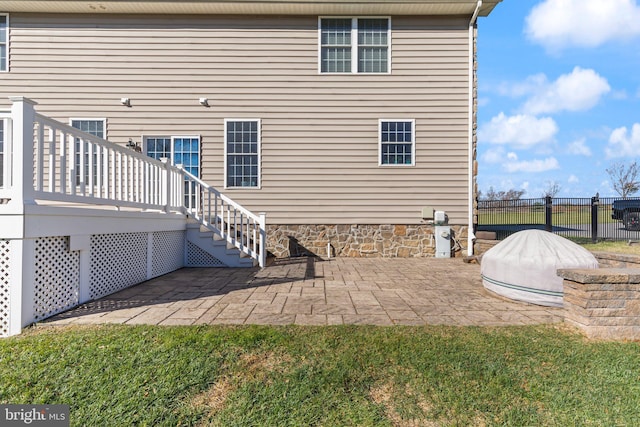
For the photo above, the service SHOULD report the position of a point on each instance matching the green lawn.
(329, 376)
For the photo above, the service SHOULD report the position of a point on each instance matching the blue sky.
(558, 94)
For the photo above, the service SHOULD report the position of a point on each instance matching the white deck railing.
(218, 213)
(43, 159)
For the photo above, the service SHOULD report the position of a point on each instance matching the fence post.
(548, 211)
(595, 203)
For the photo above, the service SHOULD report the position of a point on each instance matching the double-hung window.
(354, 45)
(397, 142)
(242, 153)
(4, 42)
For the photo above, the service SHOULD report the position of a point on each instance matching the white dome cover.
(523, 266)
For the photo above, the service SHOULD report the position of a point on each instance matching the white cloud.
(624, 143)
(512, 156)
(620, 94)
(578, 91)
(534, 166)
(493, 155)
(557, 24)
(579, 147)
(573, 179)
(520, 130)
(530, 85)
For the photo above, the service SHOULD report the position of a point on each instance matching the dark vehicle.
(627, 211)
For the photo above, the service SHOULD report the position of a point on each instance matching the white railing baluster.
(82, 167)
(105, 172)
(40, 158)
(52, 160)
(73, 165)
(63, 163)
(90, 169)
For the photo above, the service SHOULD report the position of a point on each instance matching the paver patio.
(308, 291)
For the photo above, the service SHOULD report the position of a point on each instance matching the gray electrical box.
(443, 241)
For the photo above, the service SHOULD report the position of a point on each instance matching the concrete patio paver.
(307, 291)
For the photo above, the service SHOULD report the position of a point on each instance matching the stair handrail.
(224, 216)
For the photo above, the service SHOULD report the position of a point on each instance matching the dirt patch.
(250, 367)
(213, 399)
(260, 366)
(384, 395)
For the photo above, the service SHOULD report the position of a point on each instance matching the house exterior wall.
(319, 133)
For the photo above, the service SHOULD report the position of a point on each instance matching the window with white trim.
(4, 42)
(397, 142)
(242, 153)
(354, 45)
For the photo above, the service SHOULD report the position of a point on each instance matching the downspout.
(470, 235)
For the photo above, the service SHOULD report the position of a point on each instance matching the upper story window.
(4, 42)
(397, 143)
(354, 45)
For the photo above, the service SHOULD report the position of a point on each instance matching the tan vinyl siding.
(319, 132)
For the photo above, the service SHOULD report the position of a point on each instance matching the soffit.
(253, 7)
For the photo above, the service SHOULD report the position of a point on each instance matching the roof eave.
(254, 7)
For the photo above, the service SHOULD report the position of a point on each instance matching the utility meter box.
(440, 218)
(443, 241)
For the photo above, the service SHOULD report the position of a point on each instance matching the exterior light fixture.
(134, 146)
(126, 102)
(204, 102)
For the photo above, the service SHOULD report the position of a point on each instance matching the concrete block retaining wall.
(345, 240)
(603, 303)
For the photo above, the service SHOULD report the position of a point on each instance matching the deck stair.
(220, 252)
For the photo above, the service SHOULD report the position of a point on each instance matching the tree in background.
(624, 178)
(551, 190)
(492, 194)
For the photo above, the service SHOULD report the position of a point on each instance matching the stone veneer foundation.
(402, 241)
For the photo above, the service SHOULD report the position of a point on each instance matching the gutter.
(472, 23)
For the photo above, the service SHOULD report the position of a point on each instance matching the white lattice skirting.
(112, 262)
(57, 277)
(5, 282)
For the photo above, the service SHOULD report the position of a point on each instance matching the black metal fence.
(575, 218)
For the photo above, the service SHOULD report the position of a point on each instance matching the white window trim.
(91, 119)
(413, 143)
(354, 44)
(8, 64)
(244, 119)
